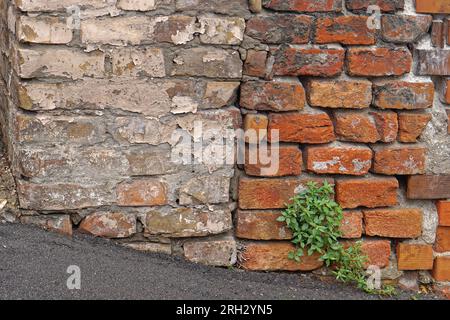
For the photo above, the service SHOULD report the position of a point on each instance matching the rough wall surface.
(93, 91)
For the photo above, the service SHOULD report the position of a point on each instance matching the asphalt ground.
(34, 265)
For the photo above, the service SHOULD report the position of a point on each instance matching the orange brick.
(387, 125)
(270, 193)
(302, 128)
(433, 6)
(442, 243)
(443, 208)
(378, 252)
(356, 127)
(272, 96)
(403, 95)
(394, 223)
(109, 224)
(399, 160)
(304, 5)
(349, 30)
(385, 5)
(414, 256)
(379, 62)
(148, 192)
(261, 225)
(340, 94)
(369, 192)
(411, 126)
(339, 160)
(351, 225)
(441, 269)
(270, 256)
(255, 126)
(308, 62)
(287, 161)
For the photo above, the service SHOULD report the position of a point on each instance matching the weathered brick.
(137, 5)
(284, 161)
(387, 125)
(445, 91)
(448, 121)
(403, 95)
(109, 224)
(356, 127)
(58, 5)
(71, 163)
(50, 129)
(428, 187)
(443, 290)
(433, 62)
(230, 7)
(403, 28)
(147, 161)
(435, 6)
(222, 30)
(207, 62)
(339, 160)
(55, 223)
(210, 189)
(272, 96)
(152, 98)
(40, 62)
(442, 243)
(351, 225)
(255, 63)
(134, 62)
(308, 62)
(302, 128)
(213, 252)
(152, 247)
(148, 192)
(377, 252)
(348, 30)
(399, 160)
(219, 94)
(280, 28)
(271, 256)
(384, 5)
(49, 30)
(393, 223)
(255, 127)
(270, 193)
(136, 30)
(368, 192)
(340, 94)
(187, 222)
(441, 269)
(304, 5)
(443, 208)
(379, 62)
(411, 126)
(62, 196)
(414, 256)
(438, 34)
(261, 225)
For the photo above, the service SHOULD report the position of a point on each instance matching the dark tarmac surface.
(33, 265)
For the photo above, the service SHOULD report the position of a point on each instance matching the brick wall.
(91, 98)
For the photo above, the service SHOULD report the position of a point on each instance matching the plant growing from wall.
(314, 219)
